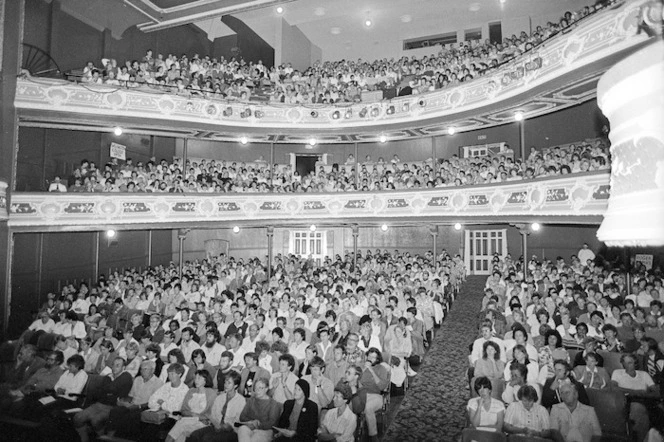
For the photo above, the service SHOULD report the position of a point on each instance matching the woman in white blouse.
(485, 412)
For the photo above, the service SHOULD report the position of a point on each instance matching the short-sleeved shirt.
(536, 419)
(642, 380)
(487, 418)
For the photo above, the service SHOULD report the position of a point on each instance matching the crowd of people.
(222, 352)
(219, 176)
(328, 82)
(554, 344)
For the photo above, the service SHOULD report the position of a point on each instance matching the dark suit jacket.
(307, 423)
(550, 397)
(244, 375)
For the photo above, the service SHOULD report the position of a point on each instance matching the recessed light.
(368, 23)
(236, 229)
(280, 10)
(457, 226)
(518, 116)
(110, 233)
(451, 130)
(312, 141)
(244, 140)
(383, 139)
(312, 227)
(535, 227)
(384, 227)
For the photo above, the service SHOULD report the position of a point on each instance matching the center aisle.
(434, 408)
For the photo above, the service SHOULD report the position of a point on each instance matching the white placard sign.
(118, 151)
(646, 260)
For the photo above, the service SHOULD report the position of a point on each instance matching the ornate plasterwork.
(598, 38)
(582, 194)
(3, 200)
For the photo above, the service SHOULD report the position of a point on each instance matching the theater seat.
(611, 361)
(473, 435)
(524, 438)
(611, 409)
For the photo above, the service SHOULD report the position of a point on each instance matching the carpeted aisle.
(434, 406)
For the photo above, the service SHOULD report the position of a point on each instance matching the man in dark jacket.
(551, 390)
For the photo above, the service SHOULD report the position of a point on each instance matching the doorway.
(306, 163)
(481, 245)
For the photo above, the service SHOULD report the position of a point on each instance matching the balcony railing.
(597, 38)
(573, 195)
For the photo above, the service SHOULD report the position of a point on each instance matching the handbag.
(154, 417)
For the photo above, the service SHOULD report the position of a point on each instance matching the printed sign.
(118, 151)
(646, 260)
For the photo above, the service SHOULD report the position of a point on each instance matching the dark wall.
(45, 262)
(252, 46)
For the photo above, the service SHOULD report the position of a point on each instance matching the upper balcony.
(561, 73)
(578, 198)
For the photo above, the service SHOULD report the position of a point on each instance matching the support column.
(149, 263)
(95, 272)
(271, 167)
(185, 149)
(356, 232)
(270, 251)
(524, 230)
(434, 233)
(434, 165)
(357, 168)
(522, 139)
(11, 54)
(152, 148)
(182, 235)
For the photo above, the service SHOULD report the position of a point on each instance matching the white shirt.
(39, 325)
(233, 411)
(72, 383)
(344, 425)
(172, 397)
(213, 355)
(642, 381)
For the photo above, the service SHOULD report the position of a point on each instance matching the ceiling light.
(312, 227)
(383, 139)
(368, 23)
(406, 18)
(336, 115)
(335, 31)
(383, 227)
(314, 114)
(111, 233)
(280, 10)
(236, 229)
(348, 114)
(518, 116)
(390, 110)
(503, 1)
(244, 140)
(312, 141)
(451, 130)
(457, 226)
(535, 227)
(117, 131)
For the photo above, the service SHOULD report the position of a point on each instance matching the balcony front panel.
(560, 73)
(571, 196)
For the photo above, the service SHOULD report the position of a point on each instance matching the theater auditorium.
(311, 220)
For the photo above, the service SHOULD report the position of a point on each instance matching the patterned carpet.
(434, 406)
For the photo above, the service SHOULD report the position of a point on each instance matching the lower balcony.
(581, 198)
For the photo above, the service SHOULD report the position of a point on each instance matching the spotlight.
(405, 107)
(383, 227)
(451, 131)
(336, 115)
(312, 227)
(244, 140)
(259, 114)
(314, 114)
(236, 229)
(375, 112)
(280, 10)
(228, 111)
(422, 103)
(535, 227)
(246, 113)
(117, 131)
(368, 23)
(111, 233)
(312, 141)
(390, 110)
(518, 116)
(383, 138)
(457, 226)
(348, 114)
(364, 112)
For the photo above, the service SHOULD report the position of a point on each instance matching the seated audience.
(485, 412)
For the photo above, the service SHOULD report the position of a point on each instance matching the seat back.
(524, 438)
(572, 354)
(473, 435)
(611, 361)
(611, 409)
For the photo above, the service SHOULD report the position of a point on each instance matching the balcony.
(561, 73)
(579, 198)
